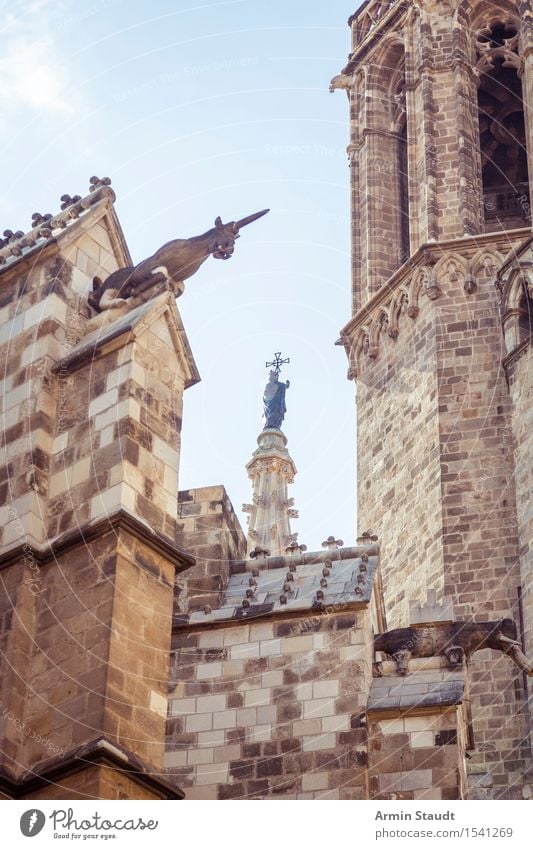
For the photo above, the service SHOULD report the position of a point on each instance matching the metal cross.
(277, 362)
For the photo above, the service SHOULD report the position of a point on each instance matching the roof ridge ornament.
(43, 226)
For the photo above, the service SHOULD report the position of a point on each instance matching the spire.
(272, 469)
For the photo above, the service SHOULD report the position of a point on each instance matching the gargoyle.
(175, 262)
(455, 640)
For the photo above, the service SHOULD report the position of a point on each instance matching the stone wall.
(398, 468)
(418, 731)
(88, 533)
(209, 529)
(271, 709)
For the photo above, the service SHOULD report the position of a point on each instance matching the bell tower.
(440, 163)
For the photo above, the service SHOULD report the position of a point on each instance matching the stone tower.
(90, 445)
(441, 140)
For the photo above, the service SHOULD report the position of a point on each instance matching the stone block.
(225, 754)
(260, 734)
(211, 738)
(315, 708)
(318, 742)
(225, 719)
(200, 756)
(210, 704)
(336, 723)
(234, 636)
(296, 645)
(269, 648)
(212, 774)
(307, 727)
(272, 678)
(392, 726)
(323, 689)
(257, 698)
(419, 739)
(207, 671)
(262, 631)
(199, 722)
(103, 402)
(244, 651)
(178, 758)
(315, 781)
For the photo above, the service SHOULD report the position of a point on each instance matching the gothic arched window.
(501, 129)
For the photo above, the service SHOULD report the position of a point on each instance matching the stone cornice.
(431, 251)
(422, 274)
(292, 612)
(120, 520)
(101, 752)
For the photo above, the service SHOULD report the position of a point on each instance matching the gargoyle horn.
(248, 220)
(514, 650)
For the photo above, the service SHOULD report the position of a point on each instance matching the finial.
(294, 548)
(37, 220)
(67, 200)
(259, 552)
(96, 182)
(332, 543)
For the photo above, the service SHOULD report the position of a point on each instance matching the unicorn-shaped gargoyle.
(168, 267)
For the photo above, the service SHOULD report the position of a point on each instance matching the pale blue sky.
(196, 110)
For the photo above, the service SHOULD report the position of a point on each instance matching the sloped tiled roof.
(315, 581)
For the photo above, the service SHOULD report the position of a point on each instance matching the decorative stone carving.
(366, 537)
(173, 263)
(274, 401)
(455, 641)
(431, 274)
(332, 544)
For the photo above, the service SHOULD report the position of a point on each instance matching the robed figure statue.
(274, 408)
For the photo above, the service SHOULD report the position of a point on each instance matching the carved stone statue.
(175, 262)
(274, 408)
(455, 641)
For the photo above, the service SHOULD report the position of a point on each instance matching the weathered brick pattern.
(398, 464)
(42, 316)
(98, 661)
(271, 709)
(119, 435)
